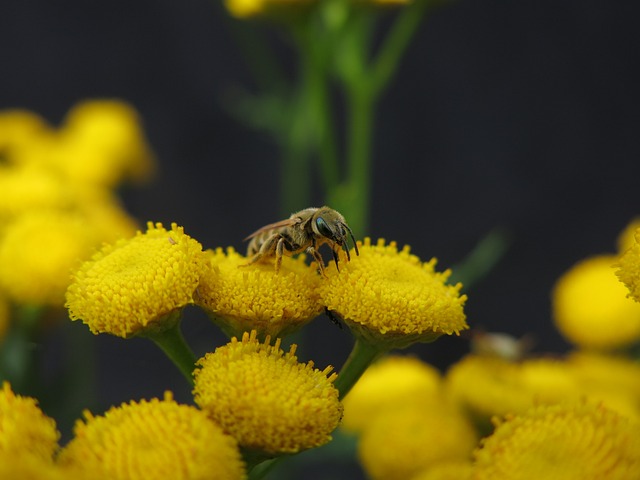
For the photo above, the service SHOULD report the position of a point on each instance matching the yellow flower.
(32, 468)
(156, 439)
(267, 400)
(25, 432)
(410, 439)
(488, 386)
(102, 142)
(38, 250)
(27, 188)
(591, 308)
(561, 442)
(135, 285)
(391, 298)
(387, 383)
(18, 129)
(241, 298)
(626, 239)
(252, 8)
(628, 268)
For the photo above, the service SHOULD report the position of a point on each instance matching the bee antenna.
(355, 244)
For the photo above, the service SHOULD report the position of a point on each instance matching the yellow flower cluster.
(57, 192)
(149, 440)
(404, 421)
(265, 398)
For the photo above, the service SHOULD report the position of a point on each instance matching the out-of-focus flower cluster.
(500, 413)
(58, 202)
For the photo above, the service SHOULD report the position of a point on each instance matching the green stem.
(396, 42)
(362, 355)
(173, 344)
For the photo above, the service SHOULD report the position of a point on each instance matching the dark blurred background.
(521, 115)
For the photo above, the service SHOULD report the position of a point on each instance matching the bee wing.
(282, 223)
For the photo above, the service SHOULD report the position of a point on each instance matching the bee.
(303, 231)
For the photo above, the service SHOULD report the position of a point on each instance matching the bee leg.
(279, 252)
(318, 258)
(267, 249)
(335, 257)
(333, 317)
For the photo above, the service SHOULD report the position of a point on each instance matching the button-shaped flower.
(271, 403)
(138, 284)
(152, 440)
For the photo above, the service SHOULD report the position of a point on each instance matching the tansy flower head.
(628, 267)
(38, 250)
(412, 438)
(19, 128)
(240, 297)
(156, 439)
(25, 432)
(591, 308)
(626, 239)
(391, 298)
(32, 468)
(391, 381)
(265, 398)
(558, 442)
(451, 470)
(137, 284)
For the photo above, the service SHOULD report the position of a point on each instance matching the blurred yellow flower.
(32, 468)
(265, 398)
(412, 438)
(628, 267)
(252, 8)
(240, 297)
(137, 284)
(392, 381)
(101, 142)
(18, 129)
(38, 250)
(25, 432)
(591, 308)
(583, 441)
(155, 439)
(391, 298)
(488, 386)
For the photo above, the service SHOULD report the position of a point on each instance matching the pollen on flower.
(240, 297)
(25, 431)
(265, 398)
(155, 439)
(582, 440)
(130, 285)
(391, 296)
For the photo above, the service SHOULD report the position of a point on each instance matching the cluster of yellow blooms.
(490, 416)
(57, 190)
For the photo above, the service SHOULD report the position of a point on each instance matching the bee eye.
(323, 227)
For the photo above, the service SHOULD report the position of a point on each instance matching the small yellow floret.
(131, 285)
(152, 440)
(240, 297)
(266, 399)
(403, 442)
(591, 308)
(559, 442)
(390, 297)
(388, 383)
(25, 432)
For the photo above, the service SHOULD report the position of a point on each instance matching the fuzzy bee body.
(303, 231)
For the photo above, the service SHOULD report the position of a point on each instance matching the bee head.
(332, 226)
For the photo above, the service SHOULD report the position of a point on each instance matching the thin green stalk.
(396, 42)
(172, 343)
(362, 355)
